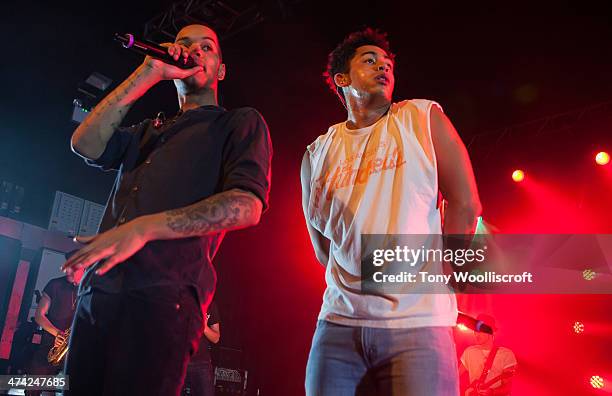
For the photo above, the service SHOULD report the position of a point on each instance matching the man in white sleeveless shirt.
(380, 172)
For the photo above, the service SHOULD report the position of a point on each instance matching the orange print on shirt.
(341, 176)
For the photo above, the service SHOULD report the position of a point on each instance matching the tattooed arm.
(226, 211)
(90, 138)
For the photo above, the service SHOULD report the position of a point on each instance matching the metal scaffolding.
(566, 122)
(227, 18)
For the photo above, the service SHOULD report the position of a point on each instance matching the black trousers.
(199, 380)
(38, 365)
(134, 343)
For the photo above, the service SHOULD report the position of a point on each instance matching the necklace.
(161, 120)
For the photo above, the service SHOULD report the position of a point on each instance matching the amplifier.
(230, 381)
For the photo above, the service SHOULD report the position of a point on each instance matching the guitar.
(478, 388)
(57, 353)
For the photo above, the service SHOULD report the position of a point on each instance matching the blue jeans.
(348, 361)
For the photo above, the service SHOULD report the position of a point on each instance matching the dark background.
(490, 68)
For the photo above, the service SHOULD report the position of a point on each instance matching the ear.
(342, 80)
(221, 72)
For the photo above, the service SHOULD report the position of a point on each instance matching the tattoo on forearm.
(114, 98)
(222, 212)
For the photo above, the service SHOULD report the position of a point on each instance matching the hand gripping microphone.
(153, 50)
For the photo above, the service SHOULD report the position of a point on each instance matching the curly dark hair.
(339, 60)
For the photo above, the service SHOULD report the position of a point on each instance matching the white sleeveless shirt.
(381, 179)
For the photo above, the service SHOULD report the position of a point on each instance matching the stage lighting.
(11, 199)
(462, 327)
(578, 327)
(88, 94)
(597, 382)
(602, 158)
(589, 274)
(518, 175)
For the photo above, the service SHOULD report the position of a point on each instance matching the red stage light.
(602, 158)
(597, 382)
(589, 274)
(578, 327)
(518, 175)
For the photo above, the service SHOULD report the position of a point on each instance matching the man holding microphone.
(181, 185)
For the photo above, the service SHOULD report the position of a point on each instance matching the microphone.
(153, 50)
(474, 324)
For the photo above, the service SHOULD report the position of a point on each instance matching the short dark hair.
(339, 60)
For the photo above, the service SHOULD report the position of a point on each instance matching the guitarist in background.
(490, 367)
(54, 314)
